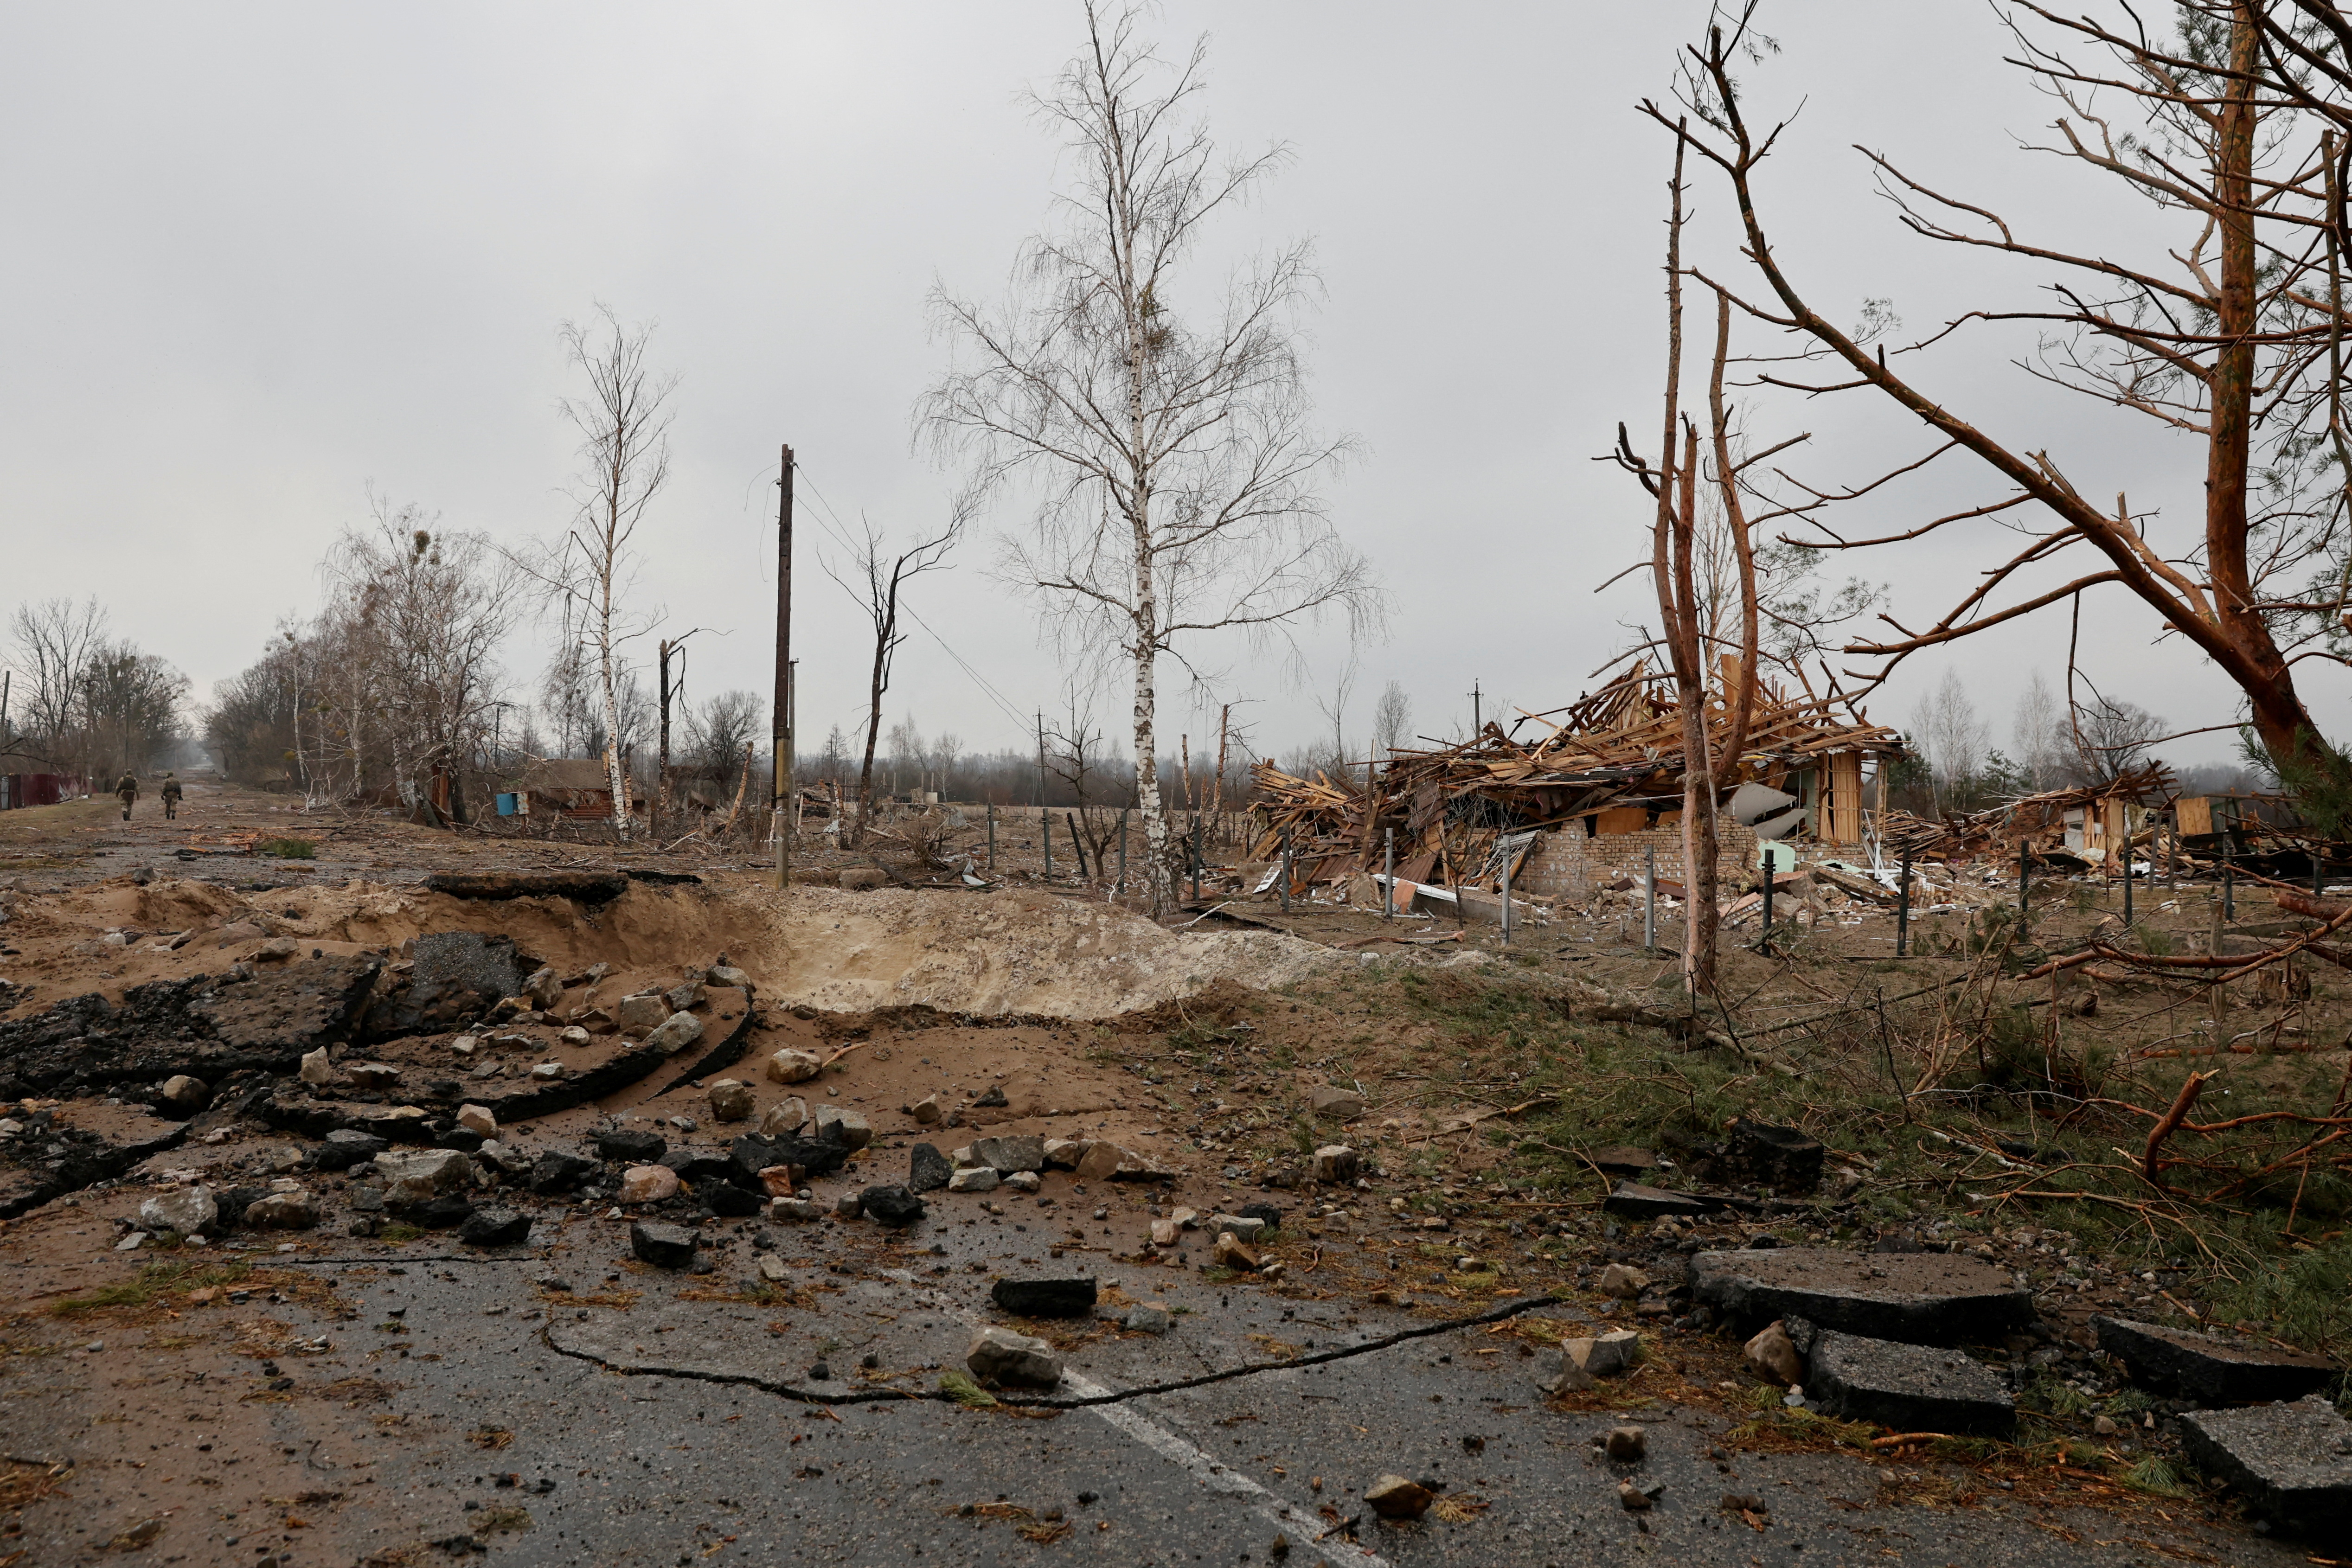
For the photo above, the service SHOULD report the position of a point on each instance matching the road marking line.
(1221, 1477)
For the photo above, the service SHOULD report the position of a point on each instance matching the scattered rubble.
(1923, 1298)
(2208, 1368)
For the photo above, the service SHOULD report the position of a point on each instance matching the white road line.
(1223, 1480)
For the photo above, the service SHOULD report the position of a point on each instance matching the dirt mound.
(974, 955)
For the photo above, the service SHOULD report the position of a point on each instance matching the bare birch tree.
(1170, 452)
(1391, 717)
(623, 423)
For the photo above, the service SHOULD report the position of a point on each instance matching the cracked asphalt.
(462, 1408)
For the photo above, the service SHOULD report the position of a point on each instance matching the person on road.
(128, 788)
(171, 797)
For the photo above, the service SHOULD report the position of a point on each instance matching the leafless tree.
(55, 644)
(875, 579)
(587, 572)
(1171, 453)
(1074, 754)
(1952, 734)
(1334, 714)
(719, 730)
(2108, 737)
(2227, 341)
(1391, 717)
(2033, 730)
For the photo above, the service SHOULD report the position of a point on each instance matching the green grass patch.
(288, 849)
(154, 1280)
(396, 1233)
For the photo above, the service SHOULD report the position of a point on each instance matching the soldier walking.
(127, 788)
(171, 797)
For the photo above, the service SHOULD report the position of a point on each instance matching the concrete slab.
(2292, 1462)
(1907, 1387)
(2209, 1368)
(1927, 1298)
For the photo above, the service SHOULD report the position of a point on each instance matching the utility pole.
(780, 724)
(661, 789)
(1478, 719)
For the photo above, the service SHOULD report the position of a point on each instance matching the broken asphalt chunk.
(663, 1245)
(495, 1228)
(1632, 1200)
(927, 1170)
(2208, 1368)
(631, 1145)
(1927, 1298)
(1907, 1387)
(893, 1205)
(1001, 1356)
(1069, 1297)
(2292, 1462)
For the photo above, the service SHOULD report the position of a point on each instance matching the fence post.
(1903, 913)
(1282, 873)
(1648, 896)
(1507, 901)
(1388, 875)
(991, 837)
(1764, 937)
(1045, 826)
(1122, 850)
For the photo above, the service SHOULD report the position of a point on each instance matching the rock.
(441, 1213)
(1623, 1160)
(781, 1181)
(544, 986)
(547, 1071)
(1024, 1181)
(1622, 1280)
(1339, 1104)
(728, 975)
(184, 1094)
(503, 1159)
(373, 1074)
(732, 1102)
(478, 1119)
(850, 1129)
(1635, 1201)
(1906, 1387)
(772, 1268)
(554, 1172)
(1393, 1496)
(1925, 1297)
(752, 1155)
(1103, 1159)
(1071, 1296)
(1008, 1359)
(1231, 1252)
(1240, 1226)
(927, 1112)
(1148, 1317)
(283, 1211)
(785, 1118)
(972, 1178)
(277, 950)
(1772, 1356)
(1166, 1233)
(2292, 1462)
(189, 1210)
(453, 975)
(790, 1066)
(893, 1205)
(676, 1032)
(2209, 1369)
(1609, 1355)
(316, 1067)
(574, 1035)
(648, 1184)
(1337, 1163)
(800, 1210)
(1627, 1444)
(1188, 1219)
(1010, 1154)
(927, 1170)
(863, 878)
(416, 1178)
(642, 1012)
(495, 1228)
(1556, 1373)
(1633, 1499)
(347, 1147)
(2104, 1427)
(849, 1206)
(663, 1245)
(682, 996)
(630, 1145)
(1064, 1154)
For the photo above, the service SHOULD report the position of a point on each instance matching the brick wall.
(1567, 864)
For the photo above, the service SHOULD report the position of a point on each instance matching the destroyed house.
(1578, 797)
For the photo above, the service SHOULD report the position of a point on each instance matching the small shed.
(571, 787)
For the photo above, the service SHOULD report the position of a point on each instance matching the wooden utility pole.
(661, 789)
(779, 826)
(1225, 722)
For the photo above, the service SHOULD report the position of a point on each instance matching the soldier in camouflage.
(127, 788)
(171, 795)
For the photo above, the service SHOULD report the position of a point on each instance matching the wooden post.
(1903, 913)
(1122, 849)
(1650, 897)
(1507, 900)
(1282, 873)
(780, 722)
(1218, 809)
(1046, 827)
(1387, 877)
(991, 837)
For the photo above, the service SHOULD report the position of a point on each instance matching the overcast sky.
(262, 256)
